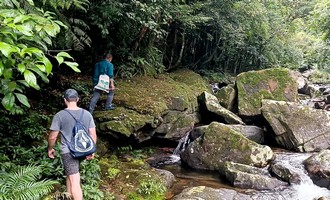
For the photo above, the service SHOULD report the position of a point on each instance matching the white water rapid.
(305, 190)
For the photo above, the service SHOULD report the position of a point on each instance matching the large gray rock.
(298, 127)
(211, 104)
(285, 173)
(219, 143)
(253, 133)
(175, 125)
(207, 193)
(245, 176)
(254, 86)
(227, 96)
(318, 167)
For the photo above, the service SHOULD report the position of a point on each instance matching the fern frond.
(79, 22)
(81, 4)
(22, 184)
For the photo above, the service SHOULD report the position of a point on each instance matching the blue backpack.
(81, 144)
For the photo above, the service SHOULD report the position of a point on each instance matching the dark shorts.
(70, 164)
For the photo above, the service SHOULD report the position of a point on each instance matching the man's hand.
(90, 157)
(51, 153)
(111, 88)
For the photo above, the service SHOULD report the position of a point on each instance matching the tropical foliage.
(24, 38)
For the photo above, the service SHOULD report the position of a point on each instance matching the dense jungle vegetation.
(41, 40)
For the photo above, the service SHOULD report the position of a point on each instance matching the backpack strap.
(82, 112)
(81, 115)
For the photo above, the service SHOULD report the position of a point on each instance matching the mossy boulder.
(134, 177)
(227, 96)
(276, 84)
(176, 124)
(298, 127)
(245, 176)
(219, 143)
(211, 107)
(144, 103)
(318, 169)
(208, 193)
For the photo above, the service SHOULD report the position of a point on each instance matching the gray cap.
(71, 94)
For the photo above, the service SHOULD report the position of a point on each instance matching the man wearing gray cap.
(63, 122)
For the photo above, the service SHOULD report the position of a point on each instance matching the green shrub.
(320, 77)
(113, 172)
(151, 187)
(90, 173)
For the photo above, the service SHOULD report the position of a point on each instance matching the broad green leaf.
(60, 23)
(26, 30)
(59, 59)
(30, 2)
(21, 67)
(48, 65)
(51, 30)
(6, 13)
(9, 63)
(8, 73)
(64, 54)
(40, 73)
(18, 88)
(12, 86)
(10, 34)
(22, 46)
(73, 66)
(42, 68)
(8, 101)
(7, 49)
(47, 40)
(38, 28)
(30, 78)
(16, 3)
(23, 82)
(31, 50)
(2, 67)
(21, 18)
(23, 99)
(7, 20)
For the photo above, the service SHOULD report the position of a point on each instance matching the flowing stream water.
(304, 190)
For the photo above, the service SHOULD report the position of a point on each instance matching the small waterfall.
(183, 142)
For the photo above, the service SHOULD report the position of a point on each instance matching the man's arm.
(96, 73)
(92, 132)
(51, 143)
(111, 75)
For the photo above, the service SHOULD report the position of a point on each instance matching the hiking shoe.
(111, 107)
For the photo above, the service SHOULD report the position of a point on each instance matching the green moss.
(147, 95)
(264, 84)
(131, 178)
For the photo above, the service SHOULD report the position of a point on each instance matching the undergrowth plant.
(24, 183)
(90, 173)
(151, 187)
